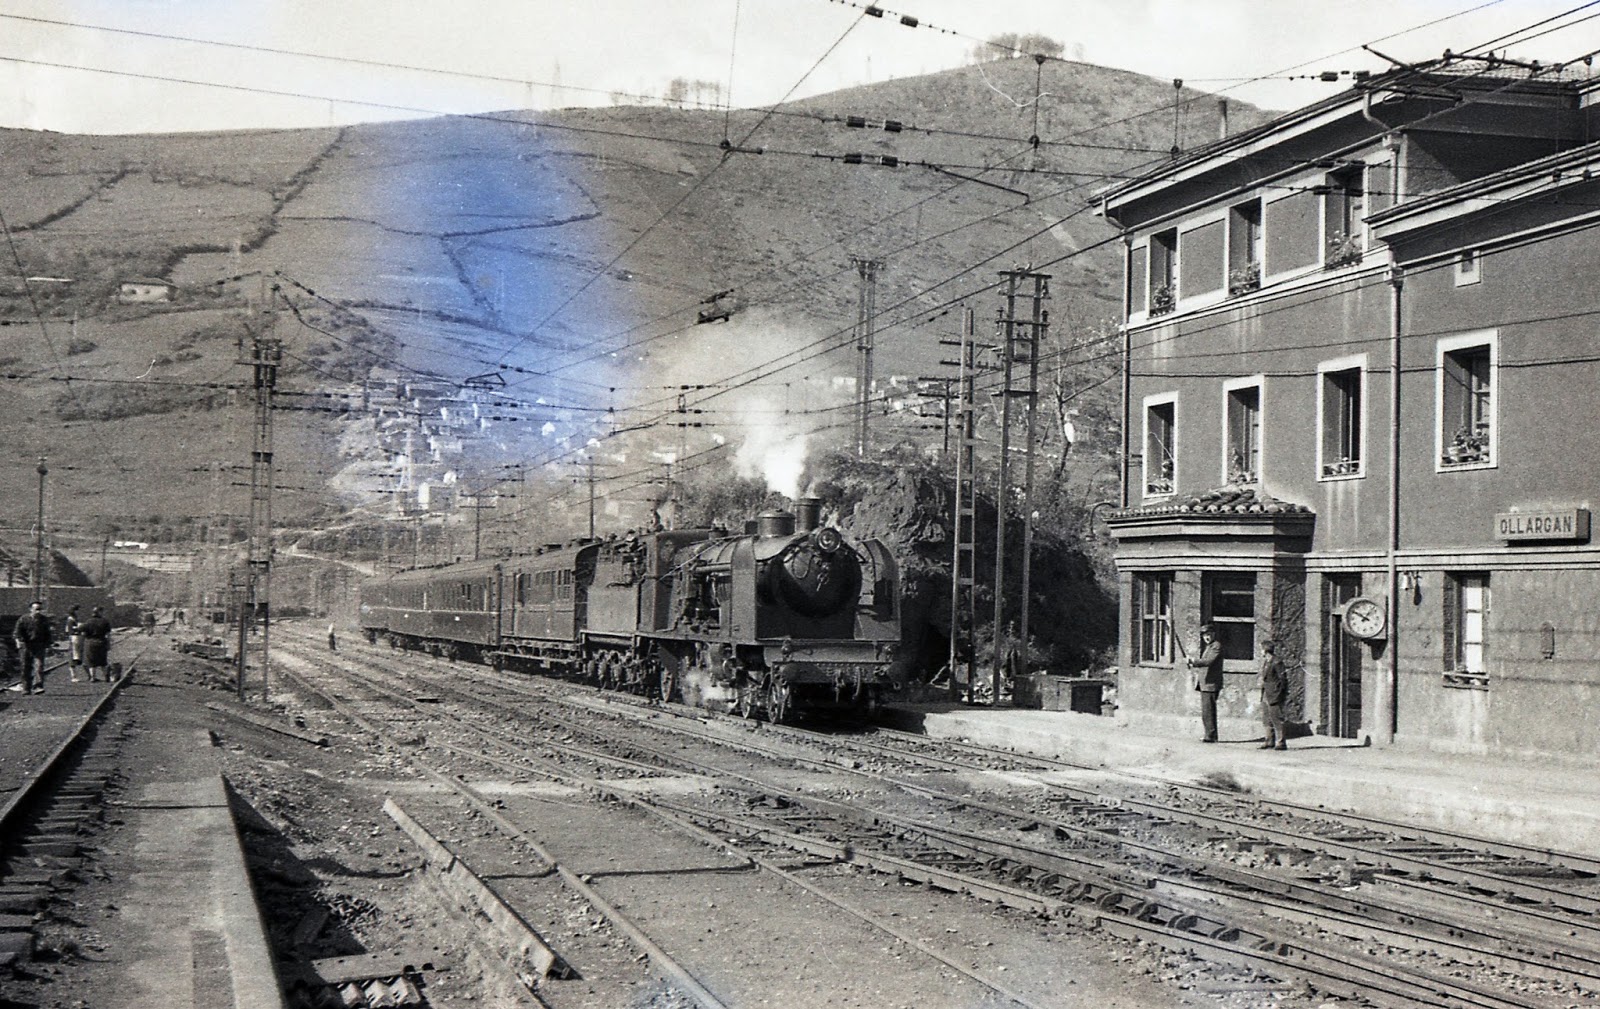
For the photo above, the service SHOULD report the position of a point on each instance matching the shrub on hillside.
(117, 403)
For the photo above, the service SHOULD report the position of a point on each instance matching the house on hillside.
(142, 290)
(1360, 361)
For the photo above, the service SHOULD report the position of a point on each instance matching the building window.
(1244, 248)
(1343, 212)
(1242, 436)
(1152, 606)
(1230, 605)
(1466, 403)
(1160, 447)
(1164, 271)
(1467, 268)
(1466, 612)
(1342, 418)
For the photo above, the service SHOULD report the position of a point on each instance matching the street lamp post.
(38, 540)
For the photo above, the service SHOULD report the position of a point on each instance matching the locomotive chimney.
(775, 523)
(807, 513)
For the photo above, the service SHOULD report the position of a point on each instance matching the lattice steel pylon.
(866, 319)
(964, 559)
(1019, 345)
(265, 355)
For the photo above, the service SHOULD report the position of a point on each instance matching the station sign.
(1543, 524)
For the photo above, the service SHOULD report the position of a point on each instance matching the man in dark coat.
(32, 634)
(1207, 666)
(97, 645)
(1274, 691)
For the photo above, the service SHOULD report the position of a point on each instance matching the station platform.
(192, 933)
(1530, 801)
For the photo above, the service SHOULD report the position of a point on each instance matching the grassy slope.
(455, 239)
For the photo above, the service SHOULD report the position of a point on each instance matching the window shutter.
(1451, 597)
(1136, 610)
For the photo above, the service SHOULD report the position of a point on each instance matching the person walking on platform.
(1207, 666)
(32, 634)
(72, 628)
(333, 643)
(97, 645)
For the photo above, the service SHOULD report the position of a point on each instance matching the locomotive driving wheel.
(777, 701)
(747, 704)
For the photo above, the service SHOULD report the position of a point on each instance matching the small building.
(1359, 414)
(144, 290)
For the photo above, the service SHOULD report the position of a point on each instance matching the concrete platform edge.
(1429, 790)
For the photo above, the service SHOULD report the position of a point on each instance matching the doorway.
(1343, 657)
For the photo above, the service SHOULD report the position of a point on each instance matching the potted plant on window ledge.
(1162, 482)
(1469, 445)
(1341, 467)
(1344, 249)
(1244, 279)
(1163, 300)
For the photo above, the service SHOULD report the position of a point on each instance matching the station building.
(1361, 393)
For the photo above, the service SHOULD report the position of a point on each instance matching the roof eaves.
(1458, 199)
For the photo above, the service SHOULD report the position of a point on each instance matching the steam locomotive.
(789, 616)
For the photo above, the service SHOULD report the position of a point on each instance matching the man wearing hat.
(1207, 666)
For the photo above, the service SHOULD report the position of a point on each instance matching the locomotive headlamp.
(829, 540)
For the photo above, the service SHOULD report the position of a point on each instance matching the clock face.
(1364, 618)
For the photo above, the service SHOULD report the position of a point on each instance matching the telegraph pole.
(866, 313)
(591, 495)
(38, 541)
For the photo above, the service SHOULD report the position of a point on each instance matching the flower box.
(1244, 280)
(1343, 250)
(1163, 300)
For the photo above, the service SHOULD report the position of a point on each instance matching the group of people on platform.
(1206, 663)
(88, 642)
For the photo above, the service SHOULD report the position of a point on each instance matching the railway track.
(47, 823)
(1173, 904)
(741, 906)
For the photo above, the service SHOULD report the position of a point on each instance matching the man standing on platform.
(1274, 691)
(32, 634)
(1207, 666)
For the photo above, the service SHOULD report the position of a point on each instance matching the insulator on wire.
(1329, 75)
(890, 161)
(874, 12)
(909, 21)
(855, 122)
(852, 159)
(892, 126)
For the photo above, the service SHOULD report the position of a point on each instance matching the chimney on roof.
(1222, 119)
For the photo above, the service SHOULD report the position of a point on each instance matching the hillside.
(569, 252)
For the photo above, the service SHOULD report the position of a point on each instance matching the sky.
(73, 75)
